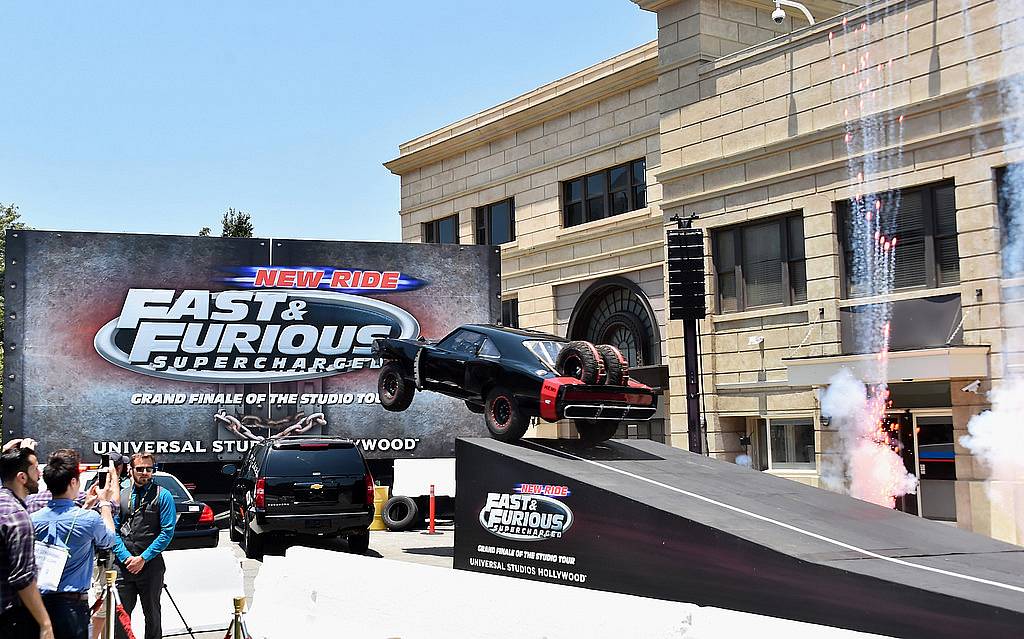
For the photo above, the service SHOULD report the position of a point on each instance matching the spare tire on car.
(616, 365)
(400, 513)
(581, 360)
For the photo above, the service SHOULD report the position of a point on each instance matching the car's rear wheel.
(400, 513)
(395, 391)
(253, 544)
(359, 542)
(234, 534)
(581, 360)
(616, 365)
(504, 418)
(595, 431)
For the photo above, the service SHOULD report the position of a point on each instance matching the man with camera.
(67, 536)
(145, 527)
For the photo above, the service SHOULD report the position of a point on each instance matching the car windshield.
(546, 351)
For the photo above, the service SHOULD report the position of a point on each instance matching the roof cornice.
(622, 72)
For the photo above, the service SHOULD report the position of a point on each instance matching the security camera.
(972, 387)
(778, 15)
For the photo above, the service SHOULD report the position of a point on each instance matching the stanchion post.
(433, 509)
(109, 605)
(236, 625)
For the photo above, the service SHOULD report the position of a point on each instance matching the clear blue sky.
(156, 117)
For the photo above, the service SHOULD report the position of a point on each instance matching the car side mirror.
(229, 469)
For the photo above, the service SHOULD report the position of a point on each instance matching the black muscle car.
(511, 375)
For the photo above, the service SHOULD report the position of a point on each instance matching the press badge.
(50, 562)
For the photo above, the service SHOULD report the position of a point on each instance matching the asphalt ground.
(414, 546)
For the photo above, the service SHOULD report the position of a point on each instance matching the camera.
(778, 15)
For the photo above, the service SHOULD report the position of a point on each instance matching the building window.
(443, 231)
(1010, 180)
(790, 444)
(923, 221)
(613, 191)
(495, 223)
(510, 313)
(760, 264)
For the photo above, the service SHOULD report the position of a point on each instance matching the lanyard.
(142, 506)
(67, 540)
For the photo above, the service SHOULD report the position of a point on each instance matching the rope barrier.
(113, 611)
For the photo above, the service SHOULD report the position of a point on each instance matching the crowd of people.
(54, 543)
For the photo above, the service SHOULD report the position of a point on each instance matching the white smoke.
(744, 460)
(866, 467)
(996, 437)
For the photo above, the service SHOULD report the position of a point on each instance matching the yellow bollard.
(380, 495)
(237, 629)
(109, 605)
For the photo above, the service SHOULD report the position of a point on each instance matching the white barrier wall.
(318, 593)
(203, 583)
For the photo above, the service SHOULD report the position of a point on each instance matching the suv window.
(304, 459)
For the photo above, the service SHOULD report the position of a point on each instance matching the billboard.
(196, 347)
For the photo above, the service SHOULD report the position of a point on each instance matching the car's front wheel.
(395, 391)
(253, 543)
(359, 542)
(595, 431)
(504, 418)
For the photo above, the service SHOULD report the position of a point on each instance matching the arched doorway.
(615, 311)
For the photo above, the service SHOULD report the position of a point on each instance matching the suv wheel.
(359, 542)
(234, 532)
(253, 543)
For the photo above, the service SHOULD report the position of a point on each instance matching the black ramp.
(642, 518)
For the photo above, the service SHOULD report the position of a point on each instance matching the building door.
(926, 445)
(936, 463)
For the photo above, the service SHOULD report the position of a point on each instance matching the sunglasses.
(143, 469)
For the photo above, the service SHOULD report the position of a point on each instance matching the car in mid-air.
(511, 375)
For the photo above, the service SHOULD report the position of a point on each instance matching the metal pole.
(692, 385)
(109, 605)
(237, 623)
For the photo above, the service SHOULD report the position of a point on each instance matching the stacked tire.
(594, 364)
(601, 364)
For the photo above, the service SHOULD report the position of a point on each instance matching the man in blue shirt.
(145, 527)
(81, 530)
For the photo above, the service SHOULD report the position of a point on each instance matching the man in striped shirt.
(22, 614)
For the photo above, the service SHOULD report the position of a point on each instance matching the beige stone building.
(764, 131)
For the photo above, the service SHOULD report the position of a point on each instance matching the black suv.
(301, 485)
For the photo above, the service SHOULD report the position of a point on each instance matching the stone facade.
(740, 120)
(525, 149)
(759, 132)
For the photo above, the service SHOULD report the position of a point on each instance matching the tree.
(9, 219)
(233, 224)
(236, 224)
